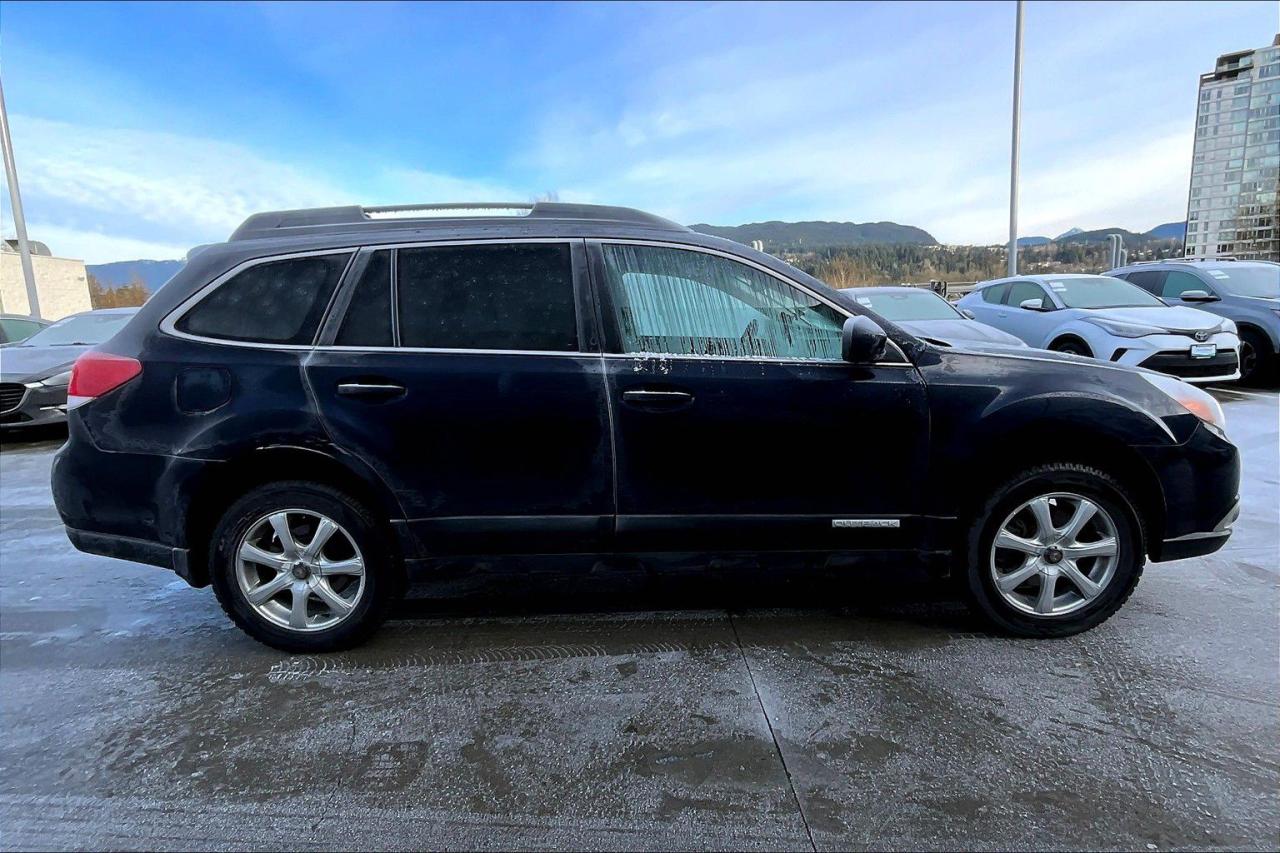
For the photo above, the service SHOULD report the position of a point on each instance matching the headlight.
(58, 380)
(1190, 398)
(1125, 330)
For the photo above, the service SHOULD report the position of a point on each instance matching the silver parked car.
(928, 316)
(1111, 320)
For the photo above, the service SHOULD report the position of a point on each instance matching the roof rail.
(1202, 260)
(326, 220)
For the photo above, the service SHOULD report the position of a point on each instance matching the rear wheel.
(302, 567)
(1056, 550)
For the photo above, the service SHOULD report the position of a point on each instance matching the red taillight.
(96, 373)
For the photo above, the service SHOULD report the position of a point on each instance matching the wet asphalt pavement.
(634, 712)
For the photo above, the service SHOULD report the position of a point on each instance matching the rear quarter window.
(275, 302)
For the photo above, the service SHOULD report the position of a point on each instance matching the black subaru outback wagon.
(317, 411)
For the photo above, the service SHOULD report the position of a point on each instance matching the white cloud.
(96, 248)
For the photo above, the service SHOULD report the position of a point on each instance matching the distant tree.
(126, 296)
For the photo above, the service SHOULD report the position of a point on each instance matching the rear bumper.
(133, 550)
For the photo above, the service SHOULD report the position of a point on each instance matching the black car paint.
(535, 453)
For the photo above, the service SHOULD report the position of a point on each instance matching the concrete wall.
(61, 284)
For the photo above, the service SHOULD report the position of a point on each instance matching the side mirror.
(1036, 304)
(1198, 296)
(966, 312)
(862, 341)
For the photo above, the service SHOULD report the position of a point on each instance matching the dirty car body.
(581, 403)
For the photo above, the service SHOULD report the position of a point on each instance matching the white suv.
(1111, 320)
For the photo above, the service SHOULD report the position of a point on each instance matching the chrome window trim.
(169, 327)
(667, 244)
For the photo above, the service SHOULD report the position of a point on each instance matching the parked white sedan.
(1112, 320)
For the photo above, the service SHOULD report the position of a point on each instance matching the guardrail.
(952, 290)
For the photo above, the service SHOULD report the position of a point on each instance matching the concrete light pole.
(19, 221)
(1013, 157)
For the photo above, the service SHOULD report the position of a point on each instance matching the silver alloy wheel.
(307, 585)
(1054, 554)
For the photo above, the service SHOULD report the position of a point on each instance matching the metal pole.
(19, 221)
(1013, 157)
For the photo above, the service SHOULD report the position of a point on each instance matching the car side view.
(1245, 292)
(1111, 320)
(337, 401)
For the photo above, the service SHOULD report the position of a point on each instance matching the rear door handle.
(370, 389)
(657, 399)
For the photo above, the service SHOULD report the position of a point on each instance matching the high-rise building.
(1235, 167)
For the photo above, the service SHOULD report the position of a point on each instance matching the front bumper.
(1200, 482)
(35, 405)
(1171, 354)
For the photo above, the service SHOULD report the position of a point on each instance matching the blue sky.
(143, 129)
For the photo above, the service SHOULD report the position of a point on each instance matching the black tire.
(1091, 483)
(1072, 346)
(1257, 361)
(380, 575)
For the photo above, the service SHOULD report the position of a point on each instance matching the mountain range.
(1167, 231)
(151, 273)
(819, 235)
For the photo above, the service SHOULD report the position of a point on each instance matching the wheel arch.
(1045, 442)
(224, 482)
(1063, 337)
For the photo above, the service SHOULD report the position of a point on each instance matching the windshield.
(908, 305)
(88, 329)
(1101, 291)
(1262, 282)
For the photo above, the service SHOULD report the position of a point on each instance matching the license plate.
(1203, 350)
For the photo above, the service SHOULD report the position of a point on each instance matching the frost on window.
(679, 302)
(277, 302)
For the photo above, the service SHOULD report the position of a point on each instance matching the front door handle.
(370, 389)
(657, 399)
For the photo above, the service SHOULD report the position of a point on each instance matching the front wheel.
(1055, 551)
(302, 567)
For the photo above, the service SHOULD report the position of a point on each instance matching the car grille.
(11, 394)
(1181, 364)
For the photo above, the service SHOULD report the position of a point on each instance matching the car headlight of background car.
(58, 380)
(1127, 330)
(1192, 399)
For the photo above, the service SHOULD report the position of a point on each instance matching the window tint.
(368, 319)
(1021, 291)
(691, 303)
(995, 294)
(515, 297)
(1148, 280)
(277, 302)
(1178, 283)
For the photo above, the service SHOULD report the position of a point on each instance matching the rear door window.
(367, 322)
(274, 302)
(511, 296)
(1148, 280)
